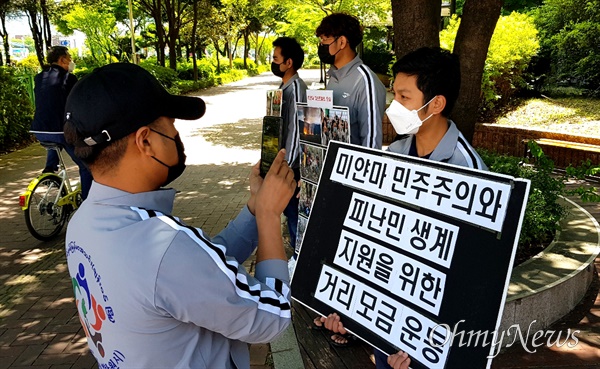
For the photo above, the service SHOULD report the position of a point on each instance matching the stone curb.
(557, 278)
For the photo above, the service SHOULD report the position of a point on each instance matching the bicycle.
(50, 199)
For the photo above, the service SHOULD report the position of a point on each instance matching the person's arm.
(370, 101)
(271, 199)
(240, 237)
(198, 284)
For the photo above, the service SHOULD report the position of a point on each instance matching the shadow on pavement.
(244, 134)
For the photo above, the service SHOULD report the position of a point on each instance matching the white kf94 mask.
(403, 120)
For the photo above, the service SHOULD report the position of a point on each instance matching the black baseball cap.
(117, 99)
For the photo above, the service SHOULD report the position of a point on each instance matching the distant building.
(17, 48)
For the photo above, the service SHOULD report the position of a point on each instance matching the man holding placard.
(353, 83)
(287, 59)
(426, 86)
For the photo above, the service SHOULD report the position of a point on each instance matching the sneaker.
(49, 170)
(291, 266)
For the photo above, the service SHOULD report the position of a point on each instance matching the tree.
(416, 24)
(154, 9)
(99, 27)
(175, 12)
(472, 42)
(569, 33)
(4, 6)
(38, 16)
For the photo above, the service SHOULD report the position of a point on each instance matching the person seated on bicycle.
(151, 291)
(52, 86)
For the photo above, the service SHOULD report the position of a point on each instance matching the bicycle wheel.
(43, 217)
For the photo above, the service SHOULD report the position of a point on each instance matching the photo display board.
(317, 125)
(274, 99)
(400, 246)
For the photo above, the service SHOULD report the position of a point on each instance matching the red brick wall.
(508, 140)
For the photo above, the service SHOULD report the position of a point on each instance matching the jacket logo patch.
(345, 95)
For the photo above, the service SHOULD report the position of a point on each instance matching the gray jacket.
(357, 87)
(294, 90)
(153, 292)
(453, 149)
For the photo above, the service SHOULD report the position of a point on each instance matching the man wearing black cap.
(152, 292)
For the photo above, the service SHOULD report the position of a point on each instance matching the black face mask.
(324, 54)
(174, 170)
(276, 69)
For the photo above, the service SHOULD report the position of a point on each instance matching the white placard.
(398, 324)
(471, 199)
(319, 99)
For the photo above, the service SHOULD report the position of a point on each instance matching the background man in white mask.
(426, 86)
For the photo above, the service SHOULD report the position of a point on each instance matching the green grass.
(578, 116)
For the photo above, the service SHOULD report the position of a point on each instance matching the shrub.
(231, 76)
(378, 58)
(16, 109)
(30, 63)
(238, 63)
(543, 212)
(512, 47)
(576, 53)
(189, 86)
(166, 76)
(185, 70)
(569, 33)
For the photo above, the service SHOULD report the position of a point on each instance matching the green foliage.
(166, 76)
(184, 87)
(512, 47)
(185, 70)
(99, 26)
(30, 63)
(543, 212)
(16, 109)
(252, 68)
(378, 58)
(577, 54)
(569, 33)
(231, 76)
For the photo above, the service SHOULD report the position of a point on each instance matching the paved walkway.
(39, 327)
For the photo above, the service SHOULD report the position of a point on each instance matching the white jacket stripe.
(266, 300)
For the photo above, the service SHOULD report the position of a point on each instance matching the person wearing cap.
(52, 86)
(353, 83)
(151, 291)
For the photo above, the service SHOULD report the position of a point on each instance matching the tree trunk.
(416, 24)
(194, 27)
(36, 34)
(472, 42)
(246, 47)
(46, 24)
(4, 35)
(218, 59)
(160, 34)
(229, 54)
